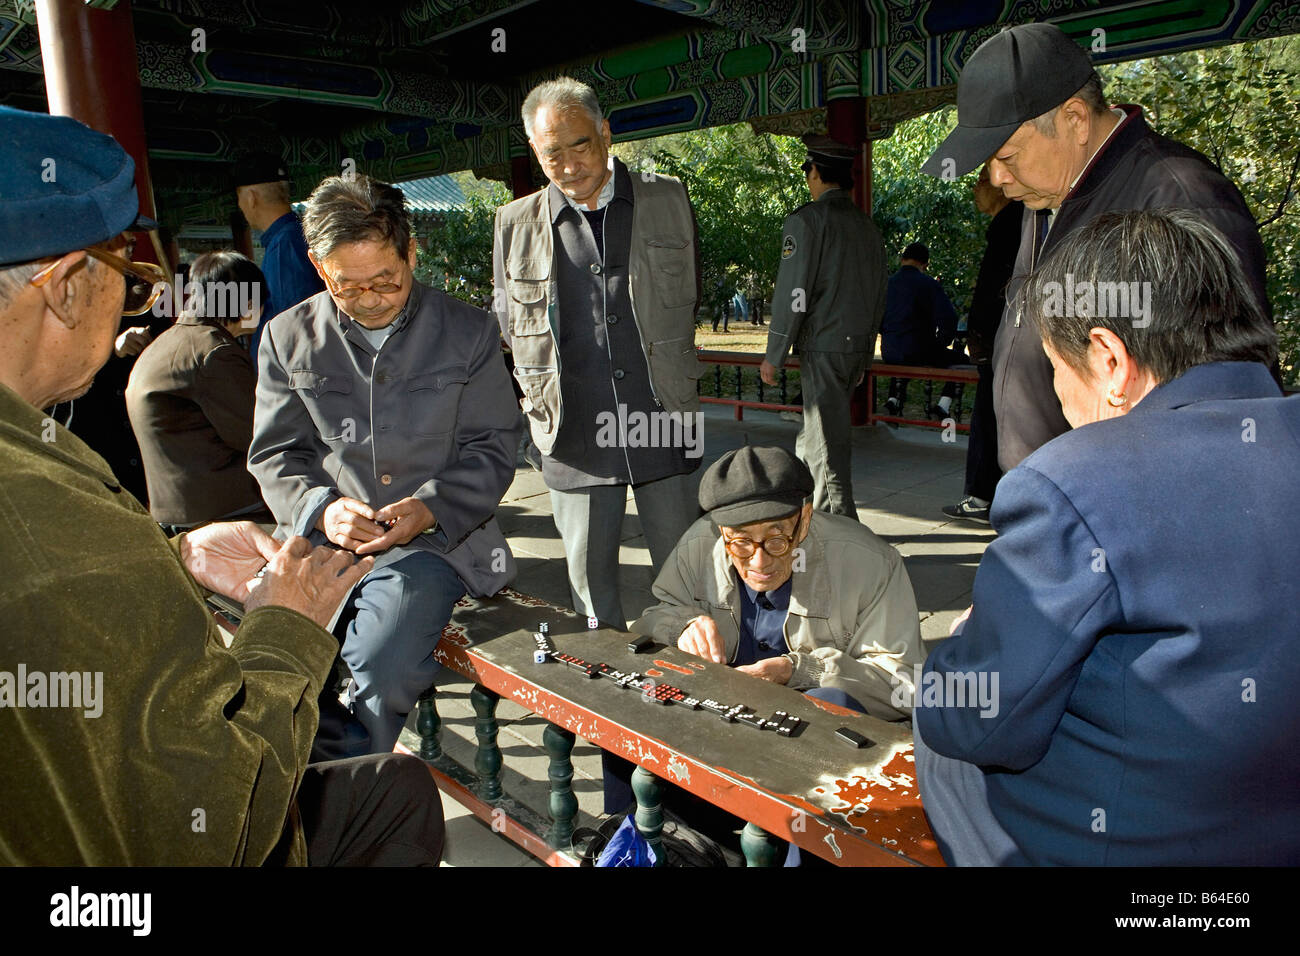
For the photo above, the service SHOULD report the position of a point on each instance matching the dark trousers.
(936, 358)
(982, 471)
(380, 810)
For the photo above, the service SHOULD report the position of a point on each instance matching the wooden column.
(649, 810)
(487, 762)
(563, 803)
(427, 724)
(759, 846)
(88, 56)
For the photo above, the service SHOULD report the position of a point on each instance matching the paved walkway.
(901, 480)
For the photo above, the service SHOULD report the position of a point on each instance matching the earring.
(1116, 401)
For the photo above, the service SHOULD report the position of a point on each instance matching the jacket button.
(611, 319)
(618, 374)
(385, 479)
(382, 378)
(595, 268)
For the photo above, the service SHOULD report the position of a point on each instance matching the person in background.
(262, 191)
(919, 327)
(1138, 607)
(1002, 243)
(828, 303)
(190, 398)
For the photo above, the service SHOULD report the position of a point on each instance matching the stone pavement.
(901, 480)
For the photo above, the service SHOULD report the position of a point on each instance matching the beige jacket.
(852, 623)
(663, 279)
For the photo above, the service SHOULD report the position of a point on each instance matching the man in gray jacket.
(1030, 103)
(385, 424)
(830, 301)
(596, 291)
(788, 594)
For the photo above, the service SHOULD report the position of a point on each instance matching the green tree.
(456, 247)
(1240, 106)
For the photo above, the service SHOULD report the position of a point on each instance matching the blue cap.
(65, 187)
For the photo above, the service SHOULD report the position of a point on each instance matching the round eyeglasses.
(774, 544)
(352, 291)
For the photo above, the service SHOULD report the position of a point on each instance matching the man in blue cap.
(190, 752)
(1030, 104)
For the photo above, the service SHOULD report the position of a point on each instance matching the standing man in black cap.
(1030, 103)
(262, 191)
(788, 594)
(829, 300)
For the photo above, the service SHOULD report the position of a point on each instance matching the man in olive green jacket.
(131, 734)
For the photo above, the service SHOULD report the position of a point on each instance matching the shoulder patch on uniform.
(787, 247)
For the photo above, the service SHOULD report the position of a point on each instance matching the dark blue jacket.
(919, 319)
(290, 276)
(1141, 607)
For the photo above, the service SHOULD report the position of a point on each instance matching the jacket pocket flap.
(316, 383)
(438, 378)
(530, 270)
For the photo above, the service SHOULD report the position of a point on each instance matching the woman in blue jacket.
(1138, 611)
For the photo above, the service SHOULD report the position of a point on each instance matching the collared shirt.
(606, 192)
(762, 622)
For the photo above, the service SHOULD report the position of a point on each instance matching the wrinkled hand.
(349, 523)
(132, 341)
(767, 372)
(405, 519)
(776, 669)
(225, 557)
(961, 619)
(701, 638)
(311, 581)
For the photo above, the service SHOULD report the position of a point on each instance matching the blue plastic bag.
(627, 847)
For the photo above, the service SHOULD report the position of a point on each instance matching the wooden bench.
(852, 807)
(864, 409)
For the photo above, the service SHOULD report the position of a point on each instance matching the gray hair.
(342, 211)
(1091, 93)
(1198, 305)
(14, 278)
(562, 93)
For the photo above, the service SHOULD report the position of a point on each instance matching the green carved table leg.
(487, 762)
(759, 846)
(563, 804)
(649, 810)
(427, 724)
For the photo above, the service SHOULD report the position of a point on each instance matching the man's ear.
(412, 252)
(605, 133)
(805, 520)
(1076, 116)
(317, 266)
(66, 288)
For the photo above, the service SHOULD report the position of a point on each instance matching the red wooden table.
(853, 807)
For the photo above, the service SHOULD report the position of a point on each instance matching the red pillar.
(521, 175)
(91, 75)
(846, 121)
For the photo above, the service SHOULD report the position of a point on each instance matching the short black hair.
(1164, 281)
(220, 284)
(917, 251)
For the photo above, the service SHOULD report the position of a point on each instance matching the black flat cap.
(259, 168)
(1014, 76)
(754, 483)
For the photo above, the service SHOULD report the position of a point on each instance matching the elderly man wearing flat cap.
(132, 734)
(1030, 103)
(829, 301)
(788, 594)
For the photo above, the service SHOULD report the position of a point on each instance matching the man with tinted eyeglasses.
(788, 594)
(132, 734)
(385, 425)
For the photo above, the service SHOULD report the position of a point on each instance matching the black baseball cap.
(66, 187)
(1014, 76)
(260, 167)
(754, 483)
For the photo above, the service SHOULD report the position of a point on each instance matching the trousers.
(590, 522)
(825, 443)
(388, 629)
(380, 810)
(982, 470)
